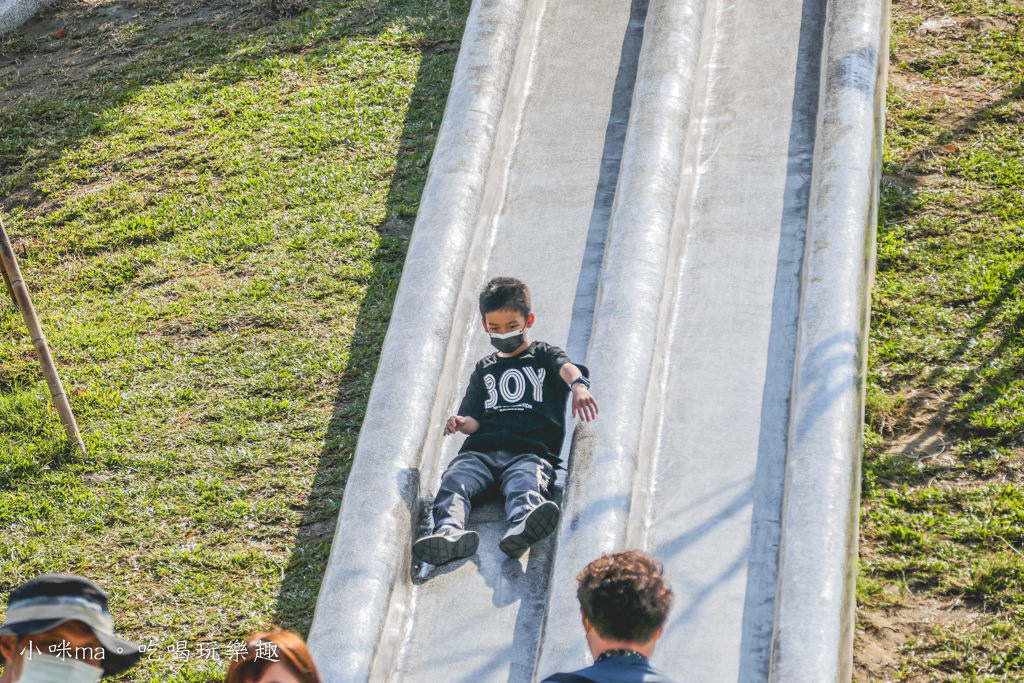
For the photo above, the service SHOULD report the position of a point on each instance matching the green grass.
(213, 225)
(213, 232)
(943, 486)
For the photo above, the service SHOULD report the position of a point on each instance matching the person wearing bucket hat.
(58, 630)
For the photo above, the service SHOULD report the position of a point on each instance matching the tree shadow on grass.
(58, 91)
(68, 93)
(991, 373)
(55, 94)
(61, 94)
(303, 576)
(39, 126)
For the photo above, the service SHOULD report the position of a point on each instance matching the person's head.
(505, 311)
(624, 598)
(274, 657)
(58, 626)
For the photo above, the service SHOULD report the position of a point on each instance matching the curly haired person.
(624, 599)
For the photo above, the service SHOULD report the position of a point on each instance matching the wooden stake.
(19, 293)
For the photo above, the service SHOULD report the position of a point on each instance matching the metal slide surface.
(687, 188)
(14, 13)
(708, 500)
(486, 613)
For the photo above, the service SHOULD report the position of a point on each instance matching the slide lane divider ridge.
(599, 488)
(815, 600)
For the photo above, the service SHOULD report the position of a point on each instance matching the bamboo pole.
(7, 281)
(19, 293)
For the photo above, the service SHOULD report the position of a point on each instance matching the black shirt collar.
(621, 652)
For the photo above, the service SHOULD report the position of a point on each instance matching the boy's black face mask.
(508, 342)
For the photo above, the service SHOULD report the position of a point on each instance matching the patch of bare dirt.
(984, 24)
(949, 101)
(924, 429)
(957, 99)
(916, 181)
(397, 226)
(883, 633)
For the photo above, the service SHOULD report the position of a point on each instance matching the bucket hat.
(50, 600)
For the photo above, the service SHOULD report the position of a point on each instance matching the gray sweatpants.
(523, 479)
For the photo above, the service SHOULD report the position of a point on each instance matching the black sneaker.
(445, 544)
(537, 524)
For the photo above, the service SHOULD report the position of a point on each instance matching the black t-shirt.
(519, 402)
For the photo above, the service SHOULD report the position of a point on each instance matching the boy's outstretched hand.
(458, 423)
(584, 405)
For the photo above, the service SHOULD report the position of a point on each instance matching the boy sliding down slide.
(514, 414)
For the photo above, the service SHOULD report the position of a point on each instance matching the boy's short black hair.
(625, 596)
(505, 294)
